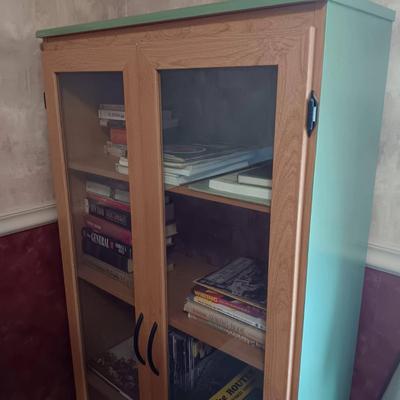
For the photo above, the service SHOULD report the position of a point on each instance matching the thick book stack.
(118, 367)
(232, 300)
(106, 235)
(112, 117)
(199, 372)
(255, 182)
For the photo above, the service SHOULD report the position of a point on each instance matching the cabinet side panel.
(353, 84)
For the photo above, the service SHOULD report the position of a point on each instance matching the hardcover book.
(108, 213)
(243, 279)
(229, 183)
(260, 175)
(106, 255)
(118, 367)
(109, 229)
(118, 136)
(107, 242)
(108, 202)
(115, 273)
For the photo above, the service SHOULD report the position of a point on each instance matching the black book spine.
(105, 255)
(118, 217)
(107, 242)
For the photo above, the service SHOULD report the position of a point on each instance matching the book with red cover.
(108, 202)
(118, 135)
(109, 229)
(111, 214)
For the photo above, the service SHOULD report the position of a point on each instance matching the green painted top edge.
(167, 15)
(200, 11)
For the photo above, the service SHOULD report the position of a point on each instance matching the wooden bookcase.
(312, 236)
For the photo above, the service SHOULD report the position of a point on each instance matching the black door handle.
(136, 339)
(150, 349)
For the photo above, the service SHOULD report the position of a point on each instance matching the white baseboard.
(384, 258)
(27, 219)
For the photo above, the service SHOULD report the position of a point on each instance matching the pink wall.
(35, 360)
(378, 350)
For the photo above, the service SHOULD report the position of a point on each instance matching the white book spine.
(112, 114)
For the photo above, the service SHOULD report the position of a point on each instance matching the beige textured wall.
(385, 226)
(24, 166)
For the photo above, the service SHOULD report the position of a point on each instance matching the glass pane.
(218, 137)
(93, 121)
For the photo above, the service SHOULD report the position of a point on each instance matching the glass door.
(218, 138)
(93, 119)
(227, 121)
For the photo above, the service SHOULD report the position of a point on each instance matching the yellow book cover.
(239, 387)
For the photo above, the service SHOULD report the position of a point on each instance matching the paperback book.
(226, 322)
(243, 279)
(232, 308)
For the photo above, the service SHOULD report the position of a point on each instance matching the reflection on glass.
(218, 136)
(93, 121)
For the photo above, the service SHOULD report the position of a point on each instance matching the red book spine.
(118, 136)
(107, 202)
(108, 228)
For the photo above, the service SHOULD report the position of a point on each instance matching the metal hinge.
(44, 100)
(312, 113)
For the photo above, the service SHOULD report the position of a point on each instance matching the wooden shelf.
(180, 282)
(186, 191)
(106, 283)
(98, 165)
(102, 388)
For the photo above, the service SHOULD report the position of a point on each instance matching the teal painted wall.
(354, 77)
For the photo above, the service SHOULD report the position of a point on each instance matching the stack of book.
(199, 372)
(233, 300)
(106, 235)
(112, 116)
(118, 367)
(255, 182)
(188, 163)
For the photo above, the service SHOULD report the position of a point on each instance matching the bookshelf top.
(221, 7)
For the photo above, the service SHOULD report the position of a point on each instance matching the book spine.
(98, 188)
(228, 323)
(106, 255)
(231, 312)
(111, 114)
(223, 329)
(118, 136)
(237, 305)
(121, 218)
(108, 202)
(237, 388)
(107, 242)
(108, 229)
(115, 273)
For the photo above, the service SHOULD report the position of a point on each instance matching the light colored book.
(260, 175)
(121, 169)
(176, 180)
(229, 184)
(98, 188)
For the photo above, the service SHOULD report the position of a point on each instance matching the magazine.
(244, 279)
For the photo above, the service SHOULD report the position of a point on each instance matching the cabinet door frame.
(292, 49)
(110, 59)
